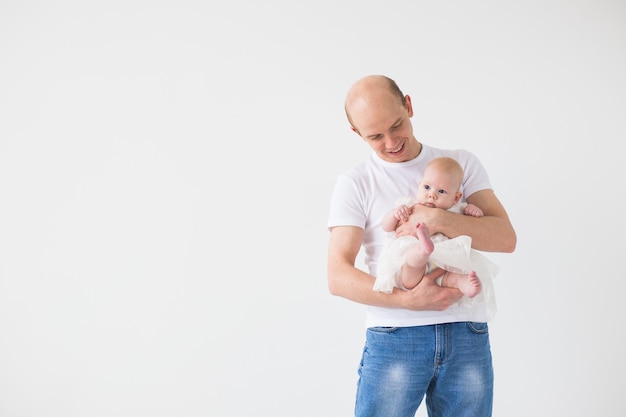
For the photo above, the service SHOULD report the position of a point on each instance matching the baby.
(406, 259)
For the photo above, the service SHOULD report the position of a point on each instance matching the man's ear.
(354, 130)
(409, 106)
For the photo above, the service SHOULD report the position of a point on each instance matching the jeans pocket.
(478, 327)
(382, 329)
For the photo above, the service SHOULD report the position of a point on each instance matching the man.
(417, 342)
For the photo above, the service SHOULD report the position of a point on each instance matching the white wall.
(165, 171)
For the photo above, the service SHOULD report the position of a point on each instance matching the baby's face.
(438, 189)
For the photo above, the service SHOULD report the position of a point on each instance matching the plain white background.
(165, 172)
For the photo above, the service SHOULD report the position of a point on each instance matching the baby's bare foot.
(417, 256)
(470, 286)
(423, 235)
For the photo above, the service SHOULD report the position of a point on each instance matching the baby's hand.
(402, 213)
(472, 210)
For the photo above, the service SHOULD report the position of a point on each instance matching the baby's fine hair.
(449, 165)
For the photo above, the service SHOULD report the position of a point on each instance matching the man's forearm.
(356, 285)
(488, 233)
(491, 233)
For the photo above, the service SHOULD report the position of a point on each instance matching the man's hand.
(428, 295)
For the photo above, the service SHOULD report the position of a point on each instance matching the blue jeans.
(449, 363)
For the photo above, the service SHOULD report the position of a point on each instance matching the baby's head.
(440, 184)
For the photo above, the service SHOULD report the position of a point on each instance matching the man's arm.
(491, 233)
(347, 281)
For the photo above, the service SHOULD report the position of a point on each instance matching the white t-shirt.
(363, 195)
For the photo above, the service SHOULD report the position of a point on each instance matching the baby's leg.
(468, 284)
(416, 259)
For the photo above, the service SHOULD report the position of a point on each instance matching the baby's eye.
(427, 187)
(442, 191)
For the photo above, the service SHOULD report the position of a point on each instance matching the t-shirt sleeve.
(346, 205)
(476, 178)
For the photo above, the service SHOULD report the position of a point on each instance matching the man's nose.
(390, 141)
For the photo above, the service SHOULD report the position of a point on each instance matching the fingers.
(400, 213)
(428, 295)
(405, 213)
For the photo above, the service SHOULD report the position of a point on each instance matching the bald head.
(370, 90)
